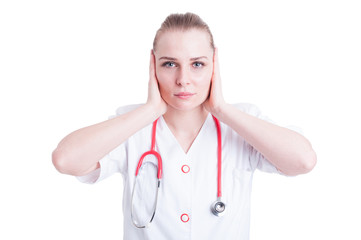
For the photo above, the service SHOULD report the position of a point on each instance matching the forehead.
(179, 44)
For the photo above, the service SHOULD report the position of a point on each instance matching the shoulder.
(125, 109)
(248, 108)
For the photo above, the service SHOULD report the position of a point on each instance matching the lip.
(184, 95)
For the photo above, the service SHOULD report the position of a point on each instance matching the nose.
(183, 77)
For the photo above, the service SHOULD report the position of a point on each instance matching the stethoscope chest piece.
(218, 208)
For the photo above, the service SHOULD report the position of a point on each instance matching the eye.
(198, 64)
(169, 64)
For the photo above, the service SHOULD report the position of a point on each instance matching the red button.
(185, 218)
(185, 169)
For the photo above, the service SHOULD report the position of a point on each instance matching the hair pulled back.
(183, 22)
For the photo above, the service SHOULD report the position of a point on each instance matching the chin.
(185, 105)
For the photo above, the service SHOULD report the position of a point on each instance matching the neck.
(185, 121)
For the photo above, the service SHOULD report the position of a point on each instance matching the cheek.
(165, 81)
(204, 80)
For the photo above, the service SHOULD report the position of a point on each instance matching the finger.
(216, 78)
(152, 66)
(216, 73)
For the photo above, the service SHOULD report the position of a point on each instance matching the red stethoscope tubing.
(219, 157)
(152, 152)
(159, 158)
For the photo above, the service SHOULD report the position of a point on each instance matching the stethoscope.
(217, 208)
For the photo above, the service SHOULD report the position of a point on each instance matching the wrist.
(154, 110)
(220, 111)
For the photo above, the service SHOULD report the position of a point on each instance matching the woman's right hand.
(79, 152)
(155, 100)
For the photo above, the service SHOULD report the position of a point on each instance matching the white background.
(68, 64)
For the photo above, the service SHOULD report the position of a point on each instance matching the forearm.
(287, 150)
(79, 152)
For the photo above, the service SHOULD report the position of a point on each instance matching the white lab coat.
(191, 189)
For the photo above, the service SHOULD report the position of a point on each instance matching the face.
(184, 67)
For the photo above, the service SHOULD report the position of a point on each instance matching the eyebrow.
(172, 59)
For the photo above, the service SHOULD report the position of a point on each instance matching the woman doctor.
(185, 97)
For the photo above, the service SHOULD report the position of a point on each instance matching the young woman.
(208, 149)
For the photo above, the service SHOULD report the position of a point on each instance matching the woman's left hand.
(215, 101)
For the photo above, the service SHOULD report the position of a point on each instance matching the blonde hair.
(183, 22)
